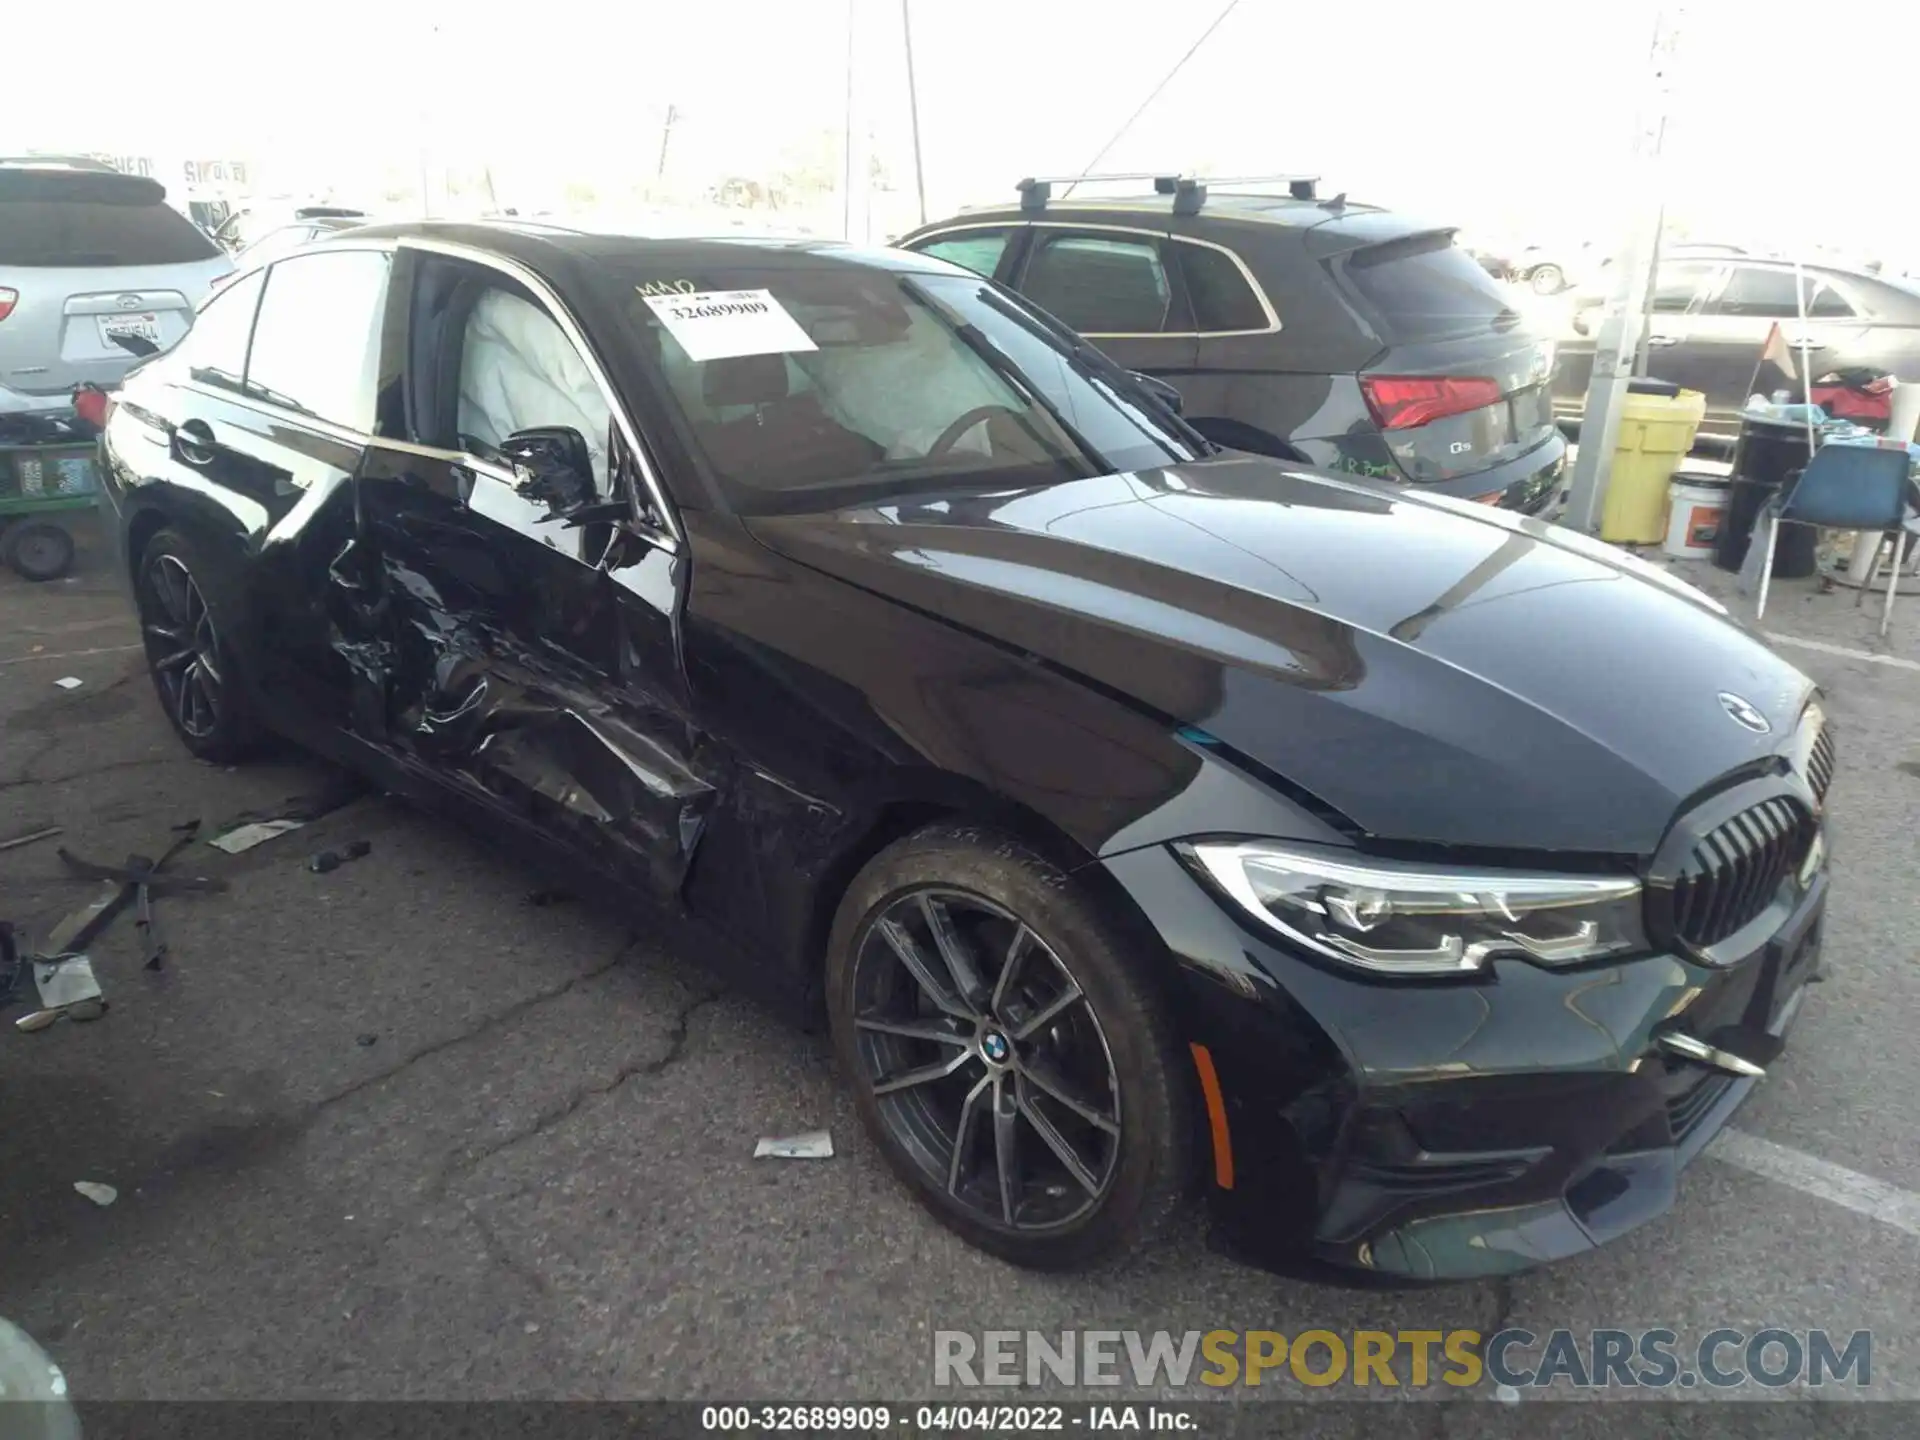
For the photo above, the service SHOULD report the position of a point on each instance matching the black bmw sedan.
(1425, 883)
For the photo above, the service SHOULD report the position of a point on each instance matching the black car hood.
(1432, 670)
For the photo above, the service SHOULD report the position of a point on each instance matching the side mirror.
(553, 468)
(1160, 390)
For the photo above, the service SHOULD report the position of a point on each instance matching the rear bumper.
(1404, 1134)
(1531, 483)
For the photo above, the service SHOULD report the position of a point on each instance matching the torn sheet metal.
(813, 1145)
(65, 981)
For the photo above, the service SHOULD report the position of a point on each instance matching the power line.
(1205, 35)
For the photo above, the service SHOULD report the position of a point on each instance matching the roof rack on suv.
(1189, 192)
(328, 212)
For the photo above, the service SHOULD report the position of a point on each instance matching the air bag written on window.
(724, 324)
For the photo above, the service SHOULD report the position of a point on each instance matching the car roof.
(533, 242)
(1343, 223)
(34, 181)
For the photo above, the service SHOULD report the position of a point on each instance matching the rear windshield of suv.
(102, 230)
(1424, 287)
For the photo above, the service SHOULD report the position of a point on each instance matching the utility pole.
(666, 134)
(913, 108)
(857, 182)
(1617, 346)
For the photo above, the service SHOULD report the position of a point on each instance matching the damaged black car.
(1425, 883)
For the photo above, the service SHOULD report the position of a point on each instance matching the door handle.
(1809, 345)
(194, 442)
(1663, 340)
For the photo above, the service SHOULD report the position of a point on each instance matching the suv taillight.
(8, 299)
(1402, 402)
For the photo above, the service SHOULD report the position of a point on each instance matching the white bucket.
(1696, 507)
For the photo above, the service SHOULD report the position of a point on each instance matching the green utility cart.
(40, 486)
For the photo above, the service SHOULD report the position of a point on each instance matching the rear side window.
(1218, 290)
(316, 343)
(1424, 287)
(95, 234)
(216, 347)
(1100, 285)
(975, 250)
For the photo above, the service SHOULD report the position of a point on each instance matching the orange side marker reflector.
(1216, 1117)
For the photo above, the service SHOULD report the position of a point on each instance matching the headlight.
(1401, 919)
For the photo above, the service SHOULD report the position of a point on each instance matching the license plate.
(142, 327)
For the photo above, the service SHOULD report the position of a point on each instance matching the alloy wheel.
(182, 647)
(985, 1059)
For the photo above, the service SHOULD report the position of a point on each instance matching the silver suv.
(96, 273)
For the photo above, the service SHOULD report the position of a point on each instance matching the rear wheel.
(1548, 280)
(1008, 1051)
(192, 670)
(37, 550)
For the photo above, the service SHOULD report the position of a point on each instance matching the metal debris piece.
(102, 1195)
(813, 1145)
(19, 840)
(65, 980)
(77, 929)
(247, 836)
(333, 859)
(69, 682)
(79, 1012)
(153, 950)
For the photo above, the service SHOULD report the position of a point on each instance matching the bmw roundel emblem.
(995, 1047)
(1743, 713)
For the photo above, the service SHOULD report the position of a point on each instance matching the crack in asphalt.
(593, 1090)
(488, 1024)
(25, 780)
(498, 1253)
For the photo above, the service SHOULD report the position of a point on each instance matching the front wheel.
(1008, 1050)
(192, 669)
(1548, 280)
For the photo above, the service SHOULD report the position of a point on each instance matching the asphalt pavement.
(396, 1131)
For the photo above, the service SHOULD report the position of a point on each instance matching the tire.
(1547, 280)
(182, 633)
(37, 550)
(1130, 1183)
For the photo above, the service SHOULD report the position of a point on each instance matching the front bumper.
(1449, 1130)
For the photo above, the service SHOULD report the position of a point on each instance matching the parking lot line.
(1846, 650)
(1821, 1179)
(71, 654)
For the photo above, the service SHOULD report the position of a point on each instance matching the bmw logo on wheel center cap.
(994, 1046)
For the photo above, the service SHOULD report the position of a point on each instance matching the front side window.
(975, 250)
(1100, 285)
(1758, 292)
(316, 344)
(807, 388)
(215, 350)
(1682, 289)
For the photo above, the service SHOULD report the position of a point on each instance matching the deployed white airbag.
(518, 369)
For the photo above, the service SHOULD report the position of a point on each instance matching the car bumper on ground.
(1453, 1130)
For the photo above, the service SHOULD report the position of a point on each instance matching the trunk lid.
(1460, 385)
(103, 272)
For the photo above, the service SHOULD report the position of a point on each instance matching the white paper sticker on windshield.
(722, 324)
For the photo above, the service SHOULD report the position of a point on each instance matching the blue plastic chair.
(1849, 487)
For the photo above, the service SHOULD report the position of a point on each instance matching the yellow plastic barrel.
(1656, 432)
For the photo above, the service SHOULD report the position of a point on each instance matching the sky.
(1496, 119)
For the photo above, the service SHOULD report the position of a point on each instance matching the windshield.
(806, 388)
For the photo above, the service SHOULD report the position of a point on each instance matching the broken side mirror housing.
(553, 468)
